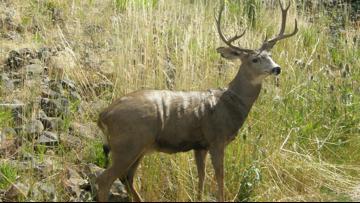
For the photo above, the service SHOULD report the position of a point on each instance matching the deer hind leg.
(123, 158)
(128, 180)
(200, 158)
(104, 182)
(217, 158)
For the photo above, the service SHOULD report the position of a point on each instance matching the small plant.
(7, 175)
(93, 153)
(251, 178)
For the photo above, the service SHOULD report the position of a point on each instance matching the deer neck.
(246, 87)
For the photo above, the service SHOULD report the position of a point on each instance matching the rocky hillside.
(46, 112)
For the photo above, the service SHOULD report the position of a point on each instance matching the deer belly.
(180, 142)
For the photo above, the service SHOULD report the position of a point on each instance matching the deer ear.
(229, 53)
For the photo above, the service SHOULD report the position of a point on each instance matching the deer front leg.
(200, 158)
(217, 158)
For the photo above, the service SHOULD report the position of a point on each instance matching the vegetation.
(301, 141)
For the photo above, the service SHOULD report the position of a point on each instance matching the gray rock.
(70, 141)
(74, 183)
(86, 130)
(52, 123)
(14, 61)
(55, 107)
(18, 59)
(41, 115)
(44, 191)
(103, 87)
(6, 82)
(48, 93)
(17, 191)
(18, 83)
(48, 139)
(56, 86)
(33, 128)
(35, 61)
(45, 53)
(68, 84)
(75, 96)
(34, 69)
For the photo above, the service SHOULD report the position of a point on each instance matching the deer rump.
(172, 121)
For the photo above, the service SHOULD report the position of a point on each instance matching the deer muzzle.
(276, 70)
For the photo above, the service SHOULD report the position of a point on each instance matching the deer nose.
(276, 71)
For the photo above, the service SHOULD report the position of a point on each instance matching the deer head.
(257, 62)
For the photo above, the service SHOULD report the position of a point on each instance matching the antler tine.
(267, 45)
(237, 37)
(231, 40)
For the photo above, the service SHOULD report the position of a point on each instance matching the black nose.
(276, 71)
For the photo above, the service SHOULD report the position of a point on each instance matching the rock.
(41, 115)
(117, 192)
(7, 147)
(55, 107)
(103, 87)
(70, 141)
(68, 84)
(93, 108)
(34, 69)
(74, 183)
(18, 59)
(8, 142)
(17, 191)
(52, 123)
(88, 130)
(14, 61)
(75, 96)
(48, 139)
(44, 191)
(11, 35)
(18, 83)
(27, 54)
(107, 69)
(6, 82)
(51, 94)
(56, 86)
(35, 61)
(63, 61)
(33, 129)
(44, 54)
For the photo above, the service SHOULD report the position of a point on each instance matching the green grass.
(8, 175)
(93, 153)
(301, 141)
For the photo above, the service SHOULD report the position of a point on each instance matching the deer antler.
(268, 44)
(230, 41)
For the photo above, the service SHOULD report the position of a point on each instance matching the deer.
(170, 122)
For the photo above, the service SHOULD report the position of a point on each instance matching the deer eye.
(255, 60)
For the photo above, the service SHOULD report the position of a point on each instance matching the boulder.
(52, 123)
(34, 69)
(33, 129)
(48, 139)
(17, 191)
(55, 107)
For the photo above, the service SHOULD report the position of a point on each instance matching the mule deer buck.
(177, 121)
